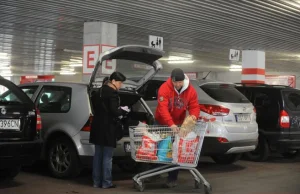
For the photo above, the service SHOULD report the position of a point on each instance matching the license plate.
(127, 147)
(10, 124)
(242, 118)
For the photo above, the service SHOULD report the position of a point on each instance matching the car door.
(138, 54)
(18, 115)
(54, 102)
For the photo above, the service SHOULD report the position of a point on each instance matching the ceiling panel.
(39, 36)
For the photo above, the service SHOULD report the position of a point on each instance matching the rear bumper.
(289, 144)
(19, 153)
(211, 146)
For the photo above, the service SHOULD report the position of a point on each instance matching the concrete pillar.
(97, 37)
(253, 66)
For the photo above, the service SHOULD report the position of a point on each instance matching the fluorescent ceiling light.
(67, 73)
(6, 72)
(235, 69)
(75, 65)
(178, 58)
(180, 62)
(4, 67)
(67, 69)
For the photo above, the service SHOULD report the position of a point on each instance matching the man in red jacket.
(175, 97)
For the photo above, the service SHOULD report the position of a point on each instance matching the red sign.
(36, 78)
(287, 80)
(90, 56)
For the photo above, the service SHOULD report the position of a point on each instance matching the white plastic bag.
(185, 148)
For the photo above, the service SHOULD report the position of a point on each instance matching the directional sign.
(156, 42)
(234, 55)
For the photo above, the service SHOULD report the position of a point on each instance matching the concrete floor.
(277, 176)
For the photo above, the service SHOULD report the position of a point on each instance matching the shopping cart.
(160, 145)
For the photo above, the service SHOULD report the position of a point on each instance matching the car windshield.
(127, 67)
(224, 93)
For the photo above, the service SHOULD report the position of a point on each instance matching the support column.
(253, 66)
(97, 37)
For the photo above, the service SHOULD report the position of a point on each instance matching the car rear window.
(292, 100)
(224, 93)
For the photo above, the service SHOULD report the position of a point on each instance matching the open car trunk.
(138, 112)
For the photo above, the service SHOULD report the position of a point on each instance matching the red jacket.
(172, 106)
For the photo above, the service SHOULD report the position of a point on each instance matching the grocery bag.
(185, 149)
(148, 149)
(164, 150)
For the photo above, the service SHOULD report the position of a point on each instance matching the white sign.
(108, 66)
(191, 75)
(234, 55)
(90, 56)
(156, 42)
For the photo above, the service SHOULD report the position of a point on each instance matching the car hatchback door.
(18, 115)
(126, 54)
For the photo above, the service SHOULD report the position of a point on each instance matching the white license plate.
(127, 147)
(10, 124)
(242, 118)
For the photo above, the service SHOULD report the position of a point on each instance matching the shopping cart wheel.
(141, 187)
(207, 189)
(198, 185)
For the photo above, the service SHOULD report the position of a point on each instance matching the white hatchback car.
(235, 130)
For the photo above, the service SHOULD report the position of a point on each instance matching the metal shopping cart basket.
(159, 144)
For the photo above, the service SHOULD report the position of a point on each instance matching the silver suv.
(235, 130)
(66, 113)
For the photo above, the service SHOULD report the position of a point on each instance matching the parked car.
(20, 125)
(278, 111)
(235, 130)
(67, 113)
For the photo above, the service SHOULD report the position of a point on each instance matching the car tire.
(226, 158)
(132, 166)
(62, 158)
(261, 153)
(291, 154)
(9, 174)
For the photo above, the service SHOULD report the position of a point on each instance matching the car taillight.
(38, 120)
(284, 119)
(254, 110)
(214, 110)
(222, 140)
(87, 126)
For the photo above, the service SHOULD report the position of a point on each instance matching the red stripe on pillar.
(252, 82)
(257, 71)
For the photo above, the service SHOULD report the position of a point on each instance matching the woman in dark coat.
(106, 104)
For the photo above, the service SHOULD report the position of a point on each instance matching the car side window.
(54, 99)
(29, 90)
(150, 90)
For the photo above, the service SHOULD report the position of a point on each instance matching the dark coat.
(106, 110)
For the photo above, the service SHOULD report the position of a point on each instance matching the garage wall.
(235, 77)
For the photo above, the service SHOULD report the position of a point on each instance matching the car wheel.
(63, 160)
(261, 153)
(290, 154)
(132, 166)
(226, 158)
(9, 174)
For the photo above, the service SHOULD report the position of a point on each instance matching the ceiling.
(40, 37)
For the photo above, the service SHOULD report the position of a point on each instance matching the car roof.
(127, 83)
(265, 86)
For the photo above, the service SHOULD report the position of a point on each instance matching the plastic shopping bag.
(164, 150)
(148, 149)
(185, 149)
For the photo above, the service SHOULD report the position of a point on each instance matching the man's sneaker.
(170, 184)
